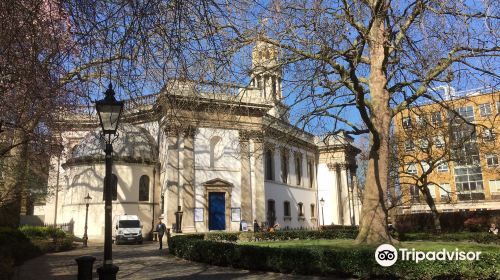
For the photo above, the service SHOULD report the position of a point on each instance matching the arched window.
(310, 167)
(300, 205)
(271, 212)
(269, 163)
(284, 166)
(298, 168)
(144, 188)
(114, 188)
(286, 209)
(313, 210)
(215, 150)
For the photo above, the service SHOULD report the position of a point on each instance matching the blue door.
(217, 211)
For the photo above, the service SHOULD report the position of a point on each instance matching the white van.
(128, 229)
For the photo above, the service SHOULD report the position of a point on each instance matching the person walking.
(161, 229)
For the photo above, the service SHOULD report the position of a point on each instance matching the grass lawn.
(348, 243)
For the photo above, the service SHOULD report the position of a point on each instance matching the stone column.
(172, 168)
(259, 201)
(188, 195)
(246, 189)
(344, 194)
(356, 202)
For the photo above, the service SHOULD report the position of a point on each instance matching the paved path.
(136, 262)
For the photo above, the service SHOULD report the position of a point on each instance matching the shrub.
(476, 224)
(43, 232)
(355, 261)
(331, 232)
(479, 237)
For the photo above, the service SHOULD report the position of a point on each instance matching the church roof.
(133, 144)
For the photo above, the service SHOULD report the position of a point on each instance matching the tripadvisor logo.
(387, 255)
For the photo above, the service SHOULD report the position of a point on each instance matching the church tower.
(266, 71)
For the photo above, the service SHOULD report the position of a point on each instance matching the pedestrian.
(161, 229)
(256, 227)
(493, 229)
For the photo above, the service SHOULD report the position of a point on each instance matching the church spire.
(266, 71)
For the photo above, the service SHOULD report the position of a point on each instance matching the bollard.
(85, 264)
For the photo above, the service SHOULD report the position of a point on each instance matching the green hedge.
(329, 232)
(43, 232)
(479, 237)
(19, 245)
(358, 262)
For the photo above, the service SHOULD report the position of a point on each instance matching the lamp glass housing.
(109, 111)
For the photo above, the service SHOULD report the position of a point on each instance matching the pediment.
(217, 182)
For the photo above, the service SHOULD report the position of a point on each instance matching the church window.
(298, 168)
(114, 188)
(271, 212)
(313, 210)
(286, 209)
(300, 205)
(310, 168)
(284, 166)
(215, 150)
(144, 188)
(269, 164)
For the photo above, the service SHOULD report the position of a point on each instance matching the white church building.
(219, 158)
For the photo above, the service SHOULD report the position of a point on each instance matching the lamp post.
(85, 237)
(322, 203)
(109, 111)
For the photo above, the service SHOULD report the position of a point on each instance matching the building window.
(407, 122)
(492, 160)
(414, 195)
(298, 168)
(269, 164)
(421, 121)
(469, 182)
(313, 210)
(144, 188)
(495, 186)
(284, 166)
(436, 118)
(409, 146)
(432, 190)
(488, 134)
(424, 144)
(114, 188)
(445, 192)
(215, 150)
(310, 167)
(484, 110)
(271, 212)
(442, 167)
(412, 169)
(467, 113)
(286, 209)
(300, 206)
(439, 141)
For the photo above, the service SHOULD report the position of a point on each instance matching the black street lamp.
(85, 237)
(109, 111)
(322, 203)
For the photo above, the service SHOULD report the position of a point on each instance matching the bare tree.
(371, 60)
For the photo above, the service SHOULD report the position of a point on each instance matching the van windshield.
(129, 224)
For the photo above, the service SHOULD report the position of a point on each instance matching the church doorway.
(216, 211)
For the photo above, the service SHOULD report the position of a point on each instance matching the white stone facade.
(241, 164)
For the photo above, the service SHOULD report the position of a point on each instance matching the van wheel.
(140, 242)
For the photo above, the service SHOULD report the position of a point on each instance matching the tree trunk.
(434, 212)
(15, 184)
(373, 226)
